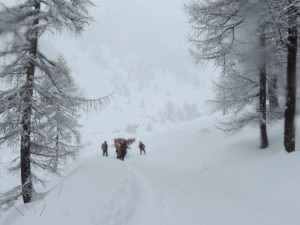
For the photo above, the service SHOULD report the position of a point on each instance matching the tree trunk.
(264, 143)
(273, 96)
(289, 122)
(26, 178)
(224, 74)
(56, 152)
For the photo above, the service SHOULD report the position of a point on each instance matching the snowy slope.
(138, 51)
(191, 174)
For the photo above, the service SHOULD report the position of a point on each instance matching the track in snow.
(145, 196)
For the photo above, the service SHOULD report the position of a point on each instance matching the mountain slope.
(139, 52)
(186, 177)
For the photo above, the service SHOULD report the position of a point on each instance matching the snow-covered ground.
(192, 174)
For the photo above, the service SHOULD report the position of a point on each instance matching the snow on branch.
(10, 198)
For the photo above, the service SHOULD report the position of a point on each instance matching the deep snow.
(192, 174)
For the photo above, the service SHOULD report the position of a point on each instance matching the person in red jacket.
(104, 147)
(142, 148)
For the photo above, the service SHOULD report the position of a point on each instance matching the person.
(123, 148)
(142, 147)
(104, 147)
(118, 149)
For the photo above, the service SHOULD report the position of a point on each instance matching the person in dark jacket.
(124, 147)
(142, 148)
(118, 149)
(104, 147)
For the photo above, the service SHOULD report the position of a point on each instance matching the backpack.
(124, 146)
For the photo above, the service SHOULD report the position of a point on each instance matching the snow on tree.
(249, 39)
(39, 104)
(224, 31)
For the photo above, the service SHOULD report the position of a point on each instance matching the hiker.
(104, 147)
(123, 151)
(142, 147)
(118, 149)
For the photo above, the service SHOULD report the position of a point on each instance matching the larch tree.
(285, 16)
(292, 13)
(39, 103)
(230, 32)
(264, 143)
(216, 27)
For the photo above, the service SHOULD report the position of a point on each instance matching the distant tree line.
(255, 44)
(39, 101)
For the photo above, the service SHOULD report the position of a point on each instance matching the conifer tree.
(226, 32)
(40, 103)
(221, 30)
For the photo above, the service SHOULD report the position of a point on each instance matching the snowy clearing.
(192, 174)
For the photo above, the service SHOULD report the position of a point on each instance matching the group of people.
(121, 146)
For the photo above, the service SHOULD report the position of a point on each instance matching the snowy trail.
(150, 197)
(170, 187)
(136, 195)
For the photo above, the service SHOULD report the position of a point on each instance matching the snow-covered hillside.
(138, 51)
(191, 174)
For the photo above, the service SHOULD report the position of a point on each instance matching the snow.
(192, 174)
